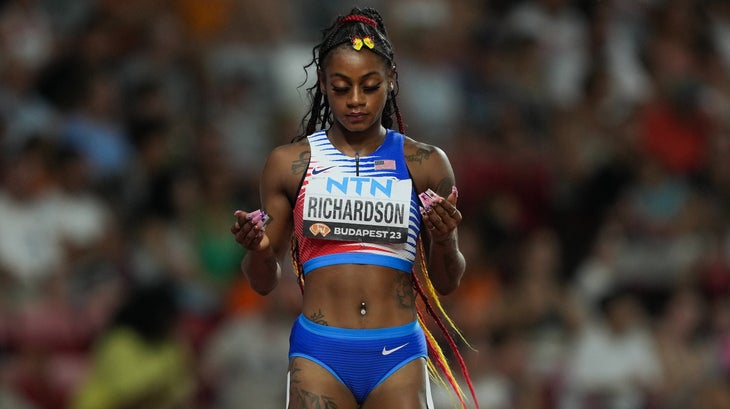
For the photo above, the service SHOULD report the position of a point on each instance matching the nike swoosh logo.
(320, 170)
(390, 351)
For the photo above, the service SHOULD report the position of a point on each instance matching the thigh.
(407, 388)
(311, 386)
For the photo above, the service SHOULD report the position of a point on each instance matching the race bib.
(357, 208)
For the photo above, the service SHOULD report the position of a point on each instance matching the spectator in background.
(562, 56)
(96, 129)
(27, 43)
(682, 347)
(614, 363)
(31, 250)
(139, 362)
(85, 220)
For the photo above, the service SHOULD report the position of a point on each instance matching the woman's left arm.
(432, 170)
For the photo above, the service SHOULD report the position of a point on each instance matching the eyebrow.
(345, 77)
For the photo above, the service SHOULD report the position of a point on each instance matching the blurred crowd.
(590, 141)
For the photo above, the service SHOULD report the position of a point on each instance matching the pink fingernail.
(256, 219)
(455, 191)
(253, 214)
(425, 199)
(433, 195)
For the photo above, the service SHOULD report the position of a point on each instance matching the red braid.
(356, 17)
(429, 295)
(449, 339)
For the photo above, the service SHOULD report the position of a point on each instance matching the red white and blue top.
(361, 210)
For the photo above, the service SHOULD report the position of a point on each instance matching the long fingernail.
(455, 191)
(256, 219)
(425, 199)
(433, 195)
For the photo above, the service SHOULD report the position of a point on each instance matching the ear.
(391, 79)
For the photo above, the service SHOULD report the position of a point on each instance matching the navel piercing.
(363, 309)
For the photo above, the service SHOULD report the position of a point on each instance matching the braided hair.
(361, 23)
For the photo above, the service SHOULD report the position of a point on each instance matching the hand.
(442, 217)
(249, 229)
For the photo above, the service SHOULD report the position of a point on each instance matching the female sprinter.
(344, 196)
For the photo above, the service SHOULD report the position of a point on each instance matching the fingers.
(248, 228)
(440, 216)
(453, 196)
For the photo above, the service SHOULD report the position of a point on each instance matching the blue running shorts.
(359, 358)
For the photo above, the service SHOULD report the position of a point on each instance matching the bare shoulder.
(419, 153)
(286, 165)
(429, 166)
(291, 158)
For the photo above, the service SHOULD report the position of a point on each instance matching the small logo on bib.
(319, 228)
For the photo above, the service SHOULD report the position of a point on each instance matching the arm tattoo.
(404, 291)
(318, 317)
(300, 165)
(420, 155)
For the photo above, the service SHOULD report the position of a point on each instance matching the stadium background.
(590, 141)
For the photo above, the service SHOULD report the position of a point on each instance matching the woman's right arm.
(266, 247)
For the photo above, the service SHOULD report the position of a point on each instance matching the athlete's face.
(356, 84)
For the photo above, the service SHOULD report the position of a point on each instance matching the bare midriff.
(359, 296)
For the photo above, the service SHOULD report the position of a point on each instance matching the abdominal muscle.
(334, 295)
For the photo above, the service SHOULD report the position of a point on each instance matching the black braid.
(316, 106)
(341, 32)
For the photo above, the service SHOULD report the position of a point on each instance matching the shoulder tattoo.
(419, 156)
(300, 164)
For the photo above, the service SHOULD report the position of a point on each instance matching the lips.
(356, 116)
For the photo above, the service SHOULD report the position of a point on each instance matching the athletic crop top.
(361, 210)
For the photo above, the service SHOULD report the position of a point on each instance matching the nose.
(356, 97)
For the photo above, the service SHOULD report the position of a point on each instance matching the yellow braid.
(432, 303)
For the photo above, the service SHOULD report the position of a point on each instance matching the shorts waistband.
(359, 333)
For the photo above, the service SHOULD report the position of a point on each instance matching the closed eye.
(372, 88)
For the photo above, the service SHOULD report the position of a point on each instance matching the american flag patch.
(384, 164)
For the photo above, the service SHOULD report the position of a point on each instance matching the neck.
(360, 143)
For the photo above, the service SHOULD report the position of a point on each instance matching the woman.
(345, 193)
